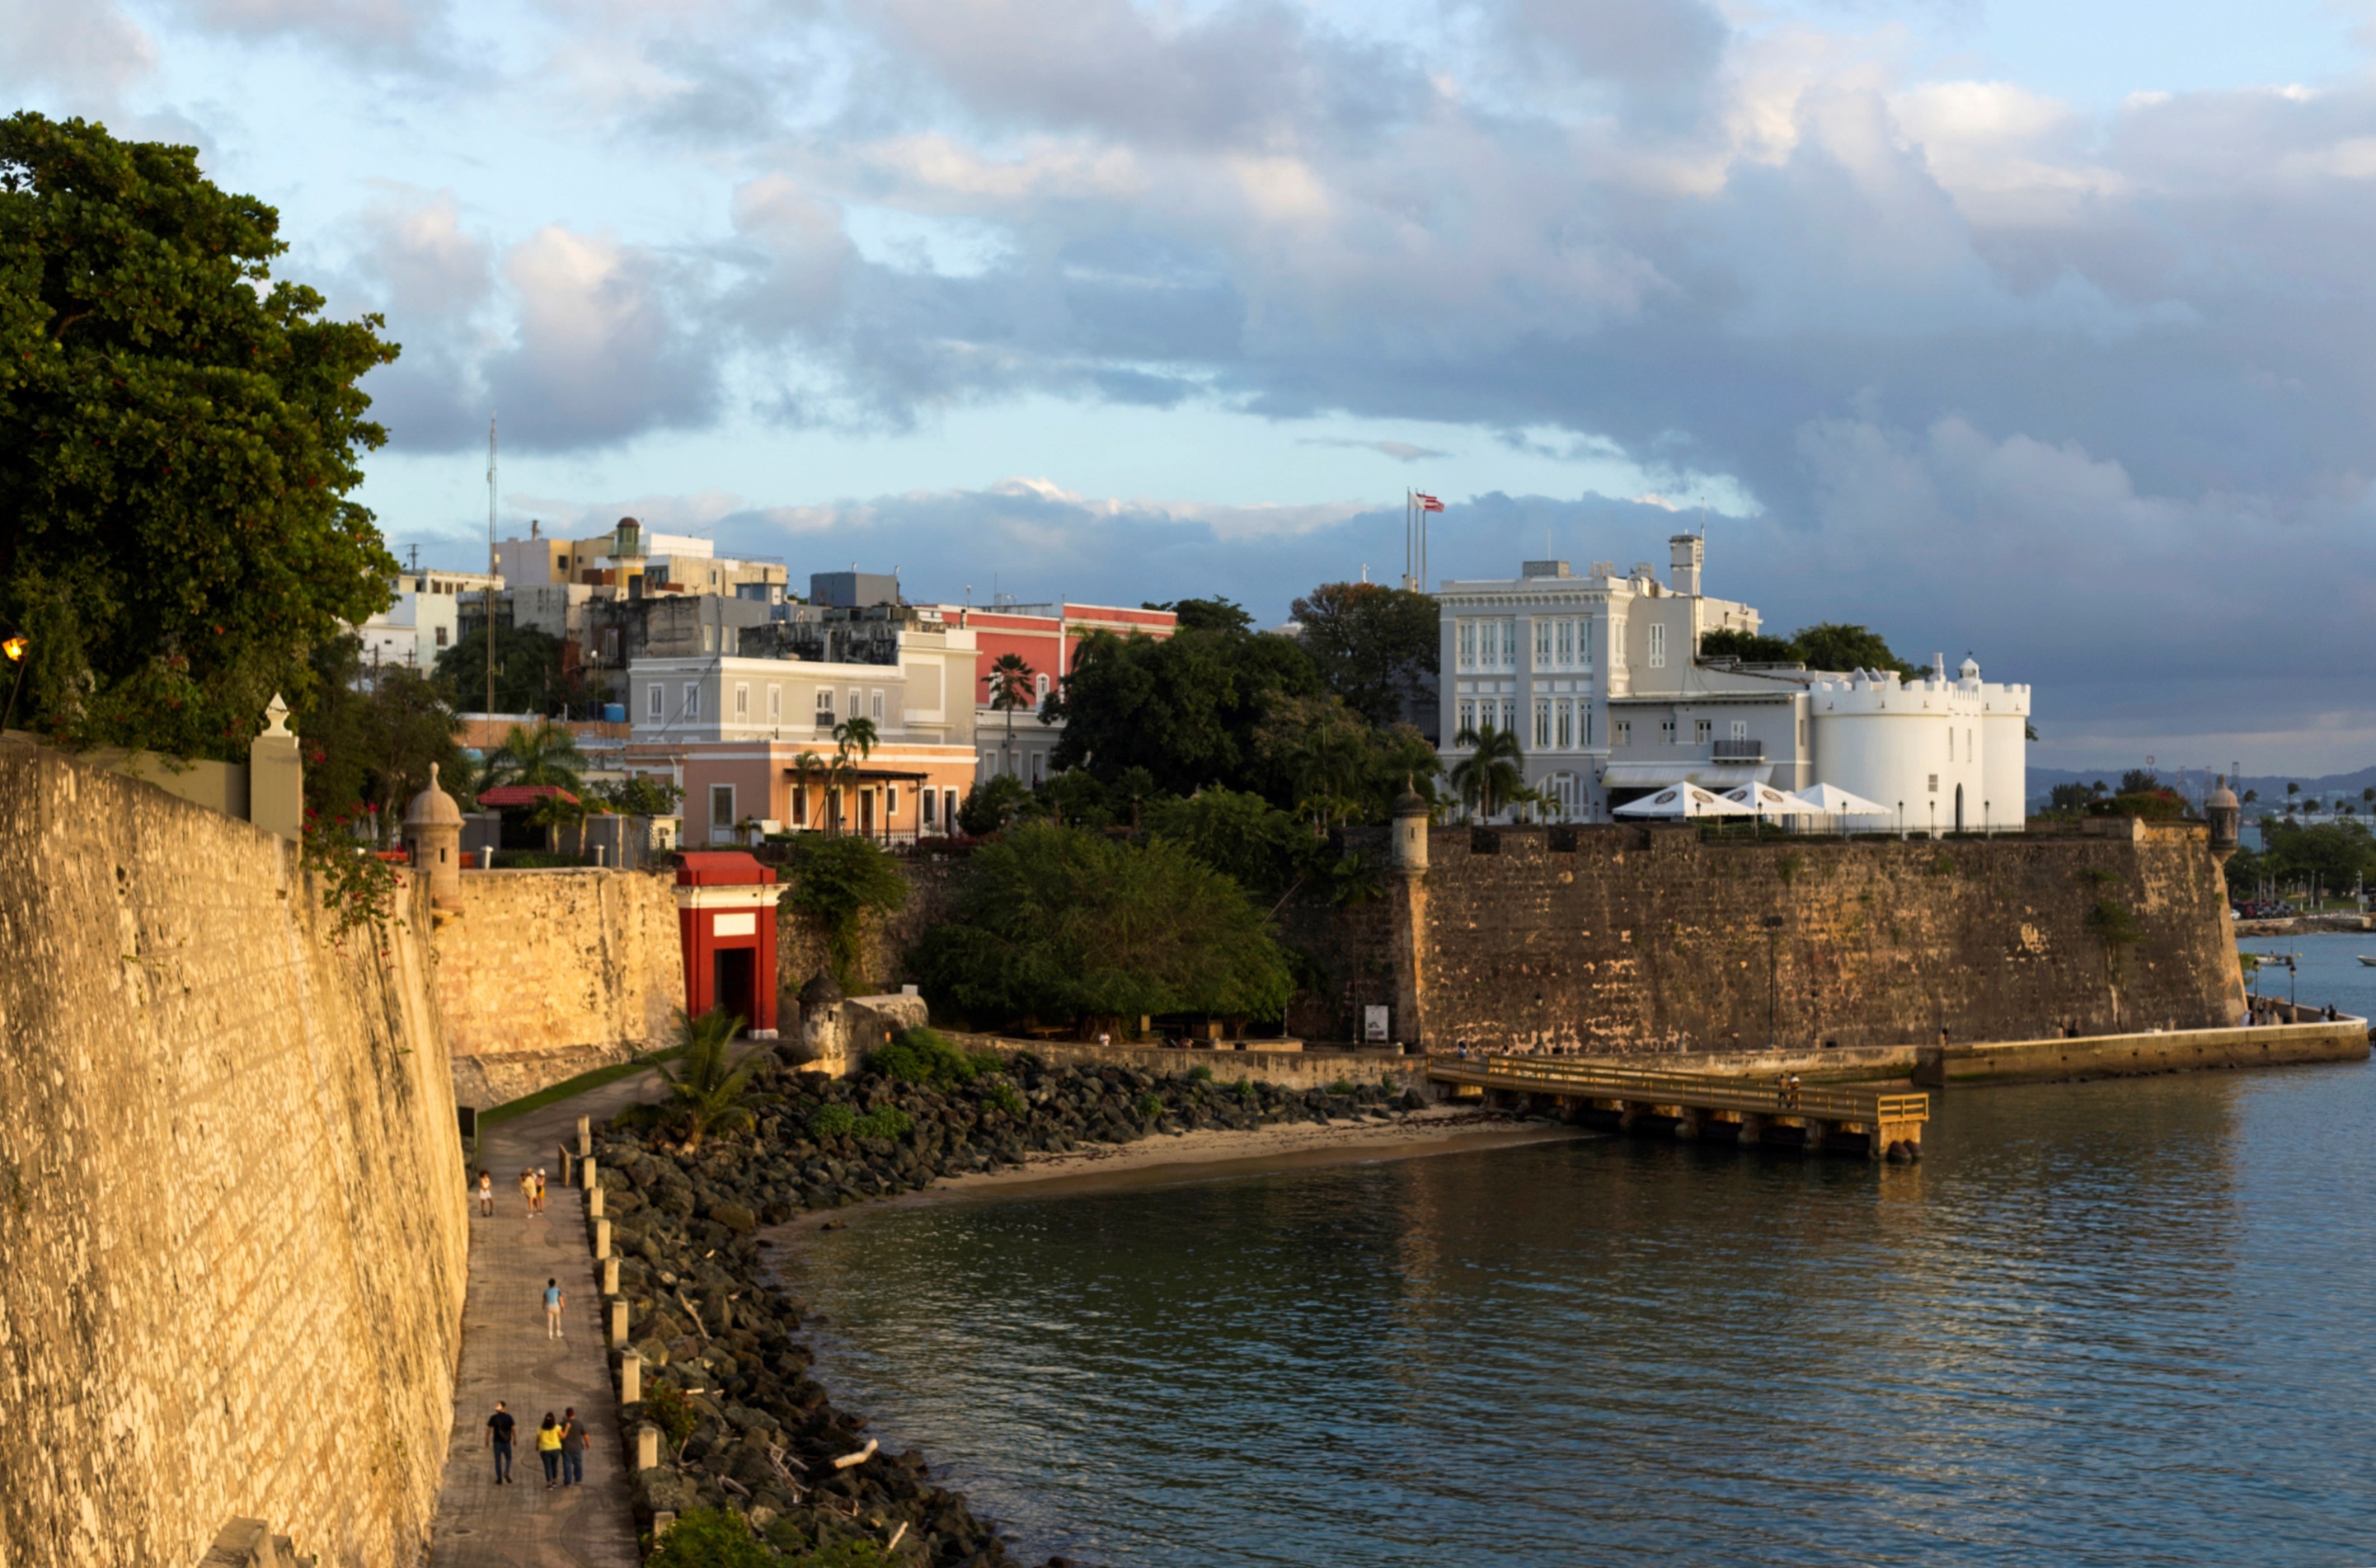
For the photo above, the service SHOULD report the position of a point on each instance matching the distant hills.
(2271, 786)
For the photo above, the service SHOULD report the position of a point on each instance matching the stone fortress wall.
(542, 975)
(1649, 940)
(231, 1195)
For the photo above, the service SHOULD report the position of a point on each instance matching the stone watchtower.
(1409, 840)
(433, 832)
(2226, 814)
(1407, 898)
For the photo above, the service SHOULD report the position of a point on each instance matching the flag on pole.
(1428, 502)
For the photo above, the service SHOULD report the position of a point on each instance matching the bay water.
(2120, 1321)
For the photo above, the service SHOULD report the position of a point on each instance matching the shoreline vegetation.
(758, 1465)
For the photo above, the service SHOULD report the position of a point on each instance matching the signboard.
(1374, 1025)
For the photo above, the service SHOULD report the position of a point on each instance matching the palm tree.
(546, 755)
(852, 734)
(1010, 687)
(709, 1091)
(807, 768)
(1494, 770)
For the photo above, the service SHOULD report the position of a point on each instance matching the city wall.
(542, 975)
(231, 1203)
(1651, 941)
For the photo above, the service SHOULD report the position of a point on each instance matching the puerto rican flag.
(1428, 502)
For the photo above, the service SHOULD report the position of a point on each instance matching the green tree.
(1059, 923)
(2337, 853)
(708, 1090)
(2140, 781)
(1010, 687)
(1184, 708)
(1076, 798)
(1135, 787)
(993, 804)
(1750, 647)
(369, 749)
(1206, 614)
(639, 796)
(1830, 645)
(710, 1538)
(547, 754)
(532, 674)
(1375, 647)
(1492, 772)
(179, 435)
(1242, 835)
(841, 882)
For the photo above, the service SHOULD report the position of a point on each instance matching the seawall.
(2135, 1055)
(542, 975)
(1650, 941)
(232, 1201)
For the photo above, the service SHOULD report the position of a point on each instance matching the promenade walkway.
(506, 1356)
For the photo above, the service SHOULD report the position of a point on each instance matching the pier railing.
(1550, 1075)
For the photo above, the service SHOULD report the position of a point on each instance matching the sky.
(2037, 331)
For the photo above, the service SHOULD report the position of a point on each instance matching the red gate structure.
(726, 913)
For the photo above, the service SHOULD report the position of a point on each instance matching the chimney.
(1688, 552)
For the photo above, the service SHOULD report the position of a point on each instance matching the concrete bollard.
(647, 1447)
(631, 1377)
(586, 1175)
(585, 1134)
(601, 1239)
(610, 1276)
(594, 1203)
(617, 1321)
(662, 1523)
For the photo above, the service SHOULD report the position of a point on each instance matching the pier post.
(601, 1239)
(1753, 1127)
(647, 1447)
(1688, 1122)
(631, 1377)
(610, 1276)
(619, 1320)
(593, 1203)
(585, 1134)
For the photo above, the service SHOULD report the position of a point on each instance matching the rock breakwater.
(726, 1374)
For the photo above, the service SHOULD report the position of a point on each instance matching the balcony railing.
(1737, 750)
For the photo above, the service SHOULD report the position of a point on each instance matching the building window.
(1934, 783)
(1543, 723)
(890, 803)
(1702, 729)
(1622, 728)
(1039, 686)
(949, 808)
(1968, 754)
(856, 707)
(1035, 770)
(1509, 716)
(1950, 742)
(1543, 642)
(927, 800)
(441, 636)
(1665, 731)
(1566, 741)
(722, 805)
(1740, 728)
(1466, 633)
(692, 699)
(741, 699)
(800, 802)
(825, 707)
(1657, 644)
(658, 701)
(877, 710)
(1468, 717)
(775, 704)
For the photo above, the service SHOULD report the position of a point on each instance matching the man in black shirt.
(499, 1438)
(573, 1448)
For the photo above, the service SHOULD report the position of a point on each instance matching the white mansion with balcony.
(1598, 676)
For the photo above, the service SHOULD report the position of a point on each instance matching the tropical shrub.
(923, 1056)
(710, 1538)
(831, 1121)
(884, 1122)
(839, 880)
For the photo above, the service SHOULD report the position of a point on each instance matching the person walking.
(540, 1189)
(499, 1438)
(553, 1303)
(573, 1448)
(548, 1448)
(527, 1191)
(486, 1192)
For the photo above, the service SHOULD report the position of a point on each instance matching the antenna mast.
(491, 573)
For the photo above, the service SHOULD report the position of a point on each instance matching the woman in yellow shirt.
(548, 1448)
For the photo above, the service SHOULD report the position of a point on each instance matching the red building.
(726, 916)
(1045, 635)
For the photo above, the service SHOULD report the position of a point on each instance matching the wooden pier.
(1817, 1118)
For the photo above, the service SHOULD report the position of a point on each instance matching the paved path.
(506, 1356)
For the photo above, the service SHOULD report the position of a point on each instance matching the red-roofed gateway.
(726, 916)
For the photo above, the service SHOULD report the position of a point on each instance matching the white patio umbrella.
(1682, 800)
(1839, 803)
(1766, 801)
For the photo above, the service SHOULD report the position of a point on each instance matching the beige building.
(633, 562)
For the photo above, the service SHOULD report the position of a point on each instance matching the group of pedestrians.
(560, 1444)
(532, 1185)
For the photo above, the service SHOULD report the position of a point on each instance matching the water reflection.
(2100, 1323)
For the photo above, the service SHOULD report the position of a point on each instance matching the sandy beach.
(1216, 1154)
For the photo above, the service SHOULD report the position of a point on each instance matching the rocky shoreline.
(725, 1374)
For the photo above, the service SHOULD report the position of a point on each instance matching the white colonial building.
(1599, 676)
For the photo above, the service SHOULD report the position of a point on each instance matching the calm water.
(2110, 1322)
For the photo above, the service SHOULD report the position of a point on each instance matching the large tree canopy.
(178, 437)
(1184, 708)
(370, 738)
(1376, 646)
(1828, 645)
(1063, 923)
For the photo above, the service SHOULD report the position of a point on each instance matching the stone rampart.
(231, 1195)
(1631, 941)
(2136, 1055)
(542, 975)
